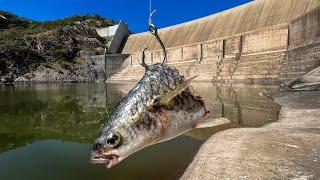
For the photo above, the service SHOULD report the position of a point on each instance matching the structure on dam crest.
(261, 41)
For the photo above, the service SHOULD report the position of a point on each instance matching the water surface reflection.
(46, 131)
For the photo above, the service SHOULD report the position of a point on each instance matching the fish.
(161, 106)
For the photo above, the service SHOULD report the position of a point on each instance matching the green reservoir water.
(47, 131)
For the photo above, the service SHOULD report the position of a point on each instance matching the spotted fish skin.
(140, 118)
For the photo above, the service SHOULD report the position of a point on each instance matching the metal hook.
(143, 63)
(154, 30)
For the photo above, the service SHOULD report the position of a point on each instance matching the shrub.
(66, 65)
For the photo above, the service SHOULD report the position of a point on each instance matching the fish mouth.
(108, 159)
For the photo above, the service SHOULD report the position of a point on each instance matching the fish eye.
(114, 139)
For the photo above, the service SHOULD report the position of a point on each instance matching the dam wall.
(115, 63)
(303, 53)
(257, 42)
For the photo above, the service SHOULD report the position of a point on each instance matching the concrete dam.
(259, 42)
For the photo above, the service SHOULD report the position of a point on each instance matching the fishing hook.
(154, 30)
(143, 64)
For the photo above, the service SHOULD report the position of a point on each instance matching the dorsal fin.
(165, 100)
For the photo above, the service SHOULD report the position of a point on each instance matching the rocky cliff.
(49, 51)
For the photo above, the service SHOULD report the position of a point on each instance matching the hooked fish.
(160, 106)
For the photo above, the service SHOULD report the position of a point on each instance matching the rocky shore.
(287, 149)
(81, 71)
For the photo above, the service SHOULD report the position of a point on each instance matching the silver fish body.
(160, 107)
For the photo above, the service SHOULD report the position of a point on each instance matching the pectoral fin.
(165, 100)
(211, 122)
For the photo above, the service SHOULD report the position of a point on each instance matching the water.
(46, 131)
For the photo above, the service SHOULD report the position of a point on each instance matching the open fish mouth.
(110, 159)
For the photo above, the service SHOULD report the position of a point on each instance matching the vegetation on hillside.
(24, 44)
(8, 20)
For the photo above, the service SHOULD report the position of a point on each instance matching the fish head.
(116, 141)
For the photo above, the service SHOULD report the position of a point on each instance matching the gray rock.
(309, 81)
(85, 53)
(79, 72)
(8, 79)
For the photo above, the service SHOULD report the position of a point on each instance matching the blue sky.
(133, 12)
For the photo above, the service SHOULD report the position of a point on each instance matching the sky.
(134, 12)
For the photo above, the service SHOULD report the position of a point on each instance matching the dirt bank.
(289, 148)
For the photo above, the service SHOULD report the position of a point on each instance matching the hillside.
(26, 45)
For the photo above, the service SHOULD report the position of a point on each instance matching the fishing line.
(154, 30)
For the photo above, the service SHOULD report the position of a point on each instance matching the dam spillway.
(261, 41)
